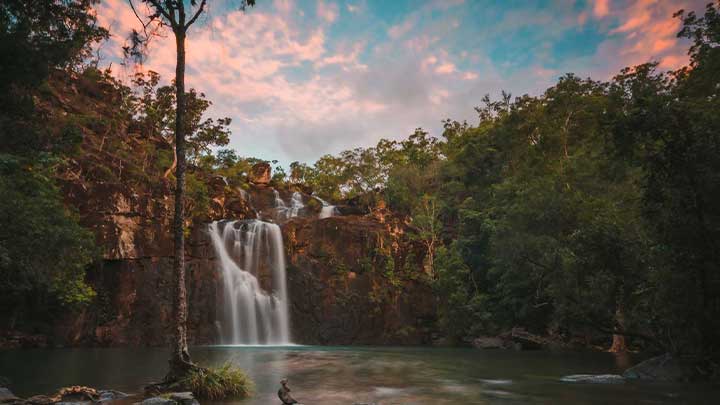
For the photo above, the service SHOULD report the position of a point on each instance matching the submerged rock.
(594, 378)
(110, 395)
(173, 398)
(184, 398)
(158, 401)
(663, 368)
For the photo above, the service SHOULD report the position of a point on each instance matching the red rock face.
(351, 279)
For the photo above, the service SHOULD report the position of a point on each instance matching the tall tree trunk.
(618, 343)
(180, 357)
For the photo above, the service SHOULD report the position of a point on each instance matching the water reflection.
(341, 375)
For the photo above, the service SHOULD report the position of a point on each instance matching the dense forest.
(591, 208)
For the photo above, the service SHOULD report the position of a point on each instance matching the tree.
(179, 16)
(43, 250)
(37, 37)
(155, 114)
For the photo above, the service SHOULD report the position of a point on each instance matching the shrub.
(223, 382)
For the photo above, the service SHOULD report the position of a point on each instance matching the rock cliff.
(353, 279)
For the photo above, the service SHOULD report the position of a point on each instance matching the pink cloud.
(445, 68)
(582, 18)
(284, 6)
(470, 75)
(346, 60)
(397, 31)
(327, 12)
(646, 31)
(601, 8)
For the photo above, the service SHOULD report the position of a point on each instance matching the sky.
(304, 78)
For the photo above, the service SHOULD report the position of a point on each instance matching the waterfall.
(285, 212)
(327, 210)
(251, 256)
(296, 204)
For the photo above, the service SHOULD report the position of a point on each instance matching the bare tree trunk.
(180, 357)
(174, 164)
(618, 343)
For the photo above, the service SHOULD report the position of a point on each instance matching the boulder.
(6, 396)
(158, 401)
(663, 368)
(40, 400)
(184, 398)
(488, 342)
(260, 173)
(110, 395)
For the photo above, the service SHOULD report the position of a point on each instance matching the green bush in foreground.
(223, 382)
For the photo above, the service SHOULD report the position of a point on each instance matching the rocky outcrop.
(260, 173)
(354, 280)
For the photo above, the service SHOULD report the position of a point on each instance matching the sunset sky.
(304, 78)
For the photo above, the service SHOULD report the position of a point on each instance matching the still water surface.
(372, 375)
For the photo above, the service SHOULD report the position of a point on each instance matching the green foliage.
(197, 195)
(224, 382)
(37, 37)
(43, 250)
(154, 111)
(592, 205)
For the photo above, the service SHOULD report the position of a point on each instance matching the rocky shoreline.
(81, 395)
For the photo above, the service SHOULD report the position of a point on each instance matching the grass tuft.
(224, 382)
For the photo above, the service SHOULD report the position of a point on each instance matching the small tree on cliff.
(179, 15)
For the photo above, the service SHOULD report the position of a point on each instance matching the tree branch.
(197, 14)
(165, 13)
(144, 25)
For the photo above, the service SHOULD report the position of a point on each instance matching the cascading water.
(296, 204)
(327, 210)
(250, 253)
(284, 212)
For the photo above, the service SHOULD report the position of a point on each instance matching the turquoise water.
(372, 375)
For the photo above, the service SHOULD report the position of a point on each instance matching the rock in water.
(663, 368)
(284, 393)
(110, 395)
(184, 398)
(158, 401)
(594, 378)
(40, 400)
(6, 396)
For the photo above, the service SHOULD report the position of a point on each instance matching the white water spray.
(327, 210)
(249, 252)
(284, 212)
